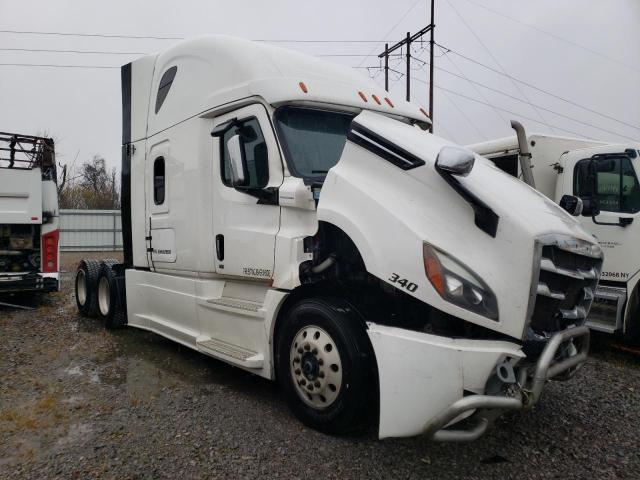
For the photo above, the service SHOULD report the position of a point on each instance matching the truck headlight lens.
(457, 284)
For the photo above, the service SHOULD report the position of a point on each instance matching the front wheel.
(325, 365)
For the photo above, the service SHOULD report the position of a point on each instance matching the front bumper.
(30, 281)
(429, 383)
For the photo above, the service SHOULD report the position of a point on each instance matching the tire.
(632, 335)
(86, 287)
(326, 367)
(110, 305)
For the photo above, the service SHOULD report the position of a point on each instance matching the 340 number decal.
(403, 282)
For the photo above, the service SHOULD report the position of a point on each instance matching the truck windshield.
(312, 139)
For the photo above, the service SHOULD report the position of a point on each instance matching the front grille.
(565, 288)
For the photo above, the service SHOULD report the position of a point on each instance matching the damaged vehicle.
(29, 235)
(286, 216)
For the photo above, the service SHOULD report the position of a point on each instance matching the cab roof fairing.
(217, 70)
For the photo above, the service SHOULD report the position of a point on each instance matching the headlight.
(457, 284)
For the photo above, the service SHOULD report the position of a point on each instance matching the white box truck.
(605, 177)
(286, 216)
(29, 253)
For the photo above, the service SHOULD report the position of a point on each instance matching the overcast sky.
(583, 51)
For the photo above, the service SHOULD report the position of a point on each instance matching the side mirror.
(590, 207)
(455, 160)
(572, 204)
(238, 162)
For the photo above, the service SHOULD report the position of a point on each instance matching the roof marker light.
(303, 87)
(376, 99)
(424, 112)
(386, 99)
(363, 96)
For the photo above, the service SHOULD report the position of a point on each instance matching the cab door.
(617, 191)
(246, 215)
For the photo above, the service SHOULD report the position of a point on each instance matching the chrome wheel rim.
(104, 299)
(315, 367)
(81, 287)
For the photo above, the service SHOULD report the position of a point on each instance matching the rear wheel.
(86, 287)
(325, 365)
(111, 308)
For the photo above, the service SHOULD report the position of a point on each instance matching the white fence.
(90, 230)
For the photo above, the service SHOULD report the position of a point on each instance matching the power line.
(46, 50)
(474, 87)
(101, 35)
(466, 117)
(553, 35)
(546, 92)
(524, 95)
(157, 37)
(453, 92)
(54, 65)
(473, 82)
(104, 52)
(392, 28)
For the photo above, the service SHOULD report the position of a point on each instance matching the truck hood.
(389, 212)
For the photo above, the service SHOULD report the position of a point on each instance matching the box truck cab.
(286, 216)
(605, 177)
(29, 253)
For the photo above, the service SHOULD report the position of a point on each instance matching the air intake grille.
(565, 289)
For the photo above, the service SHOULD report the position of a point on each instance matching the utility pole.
(386, 67)
(407, 43)
(431, 45)
(408, 66)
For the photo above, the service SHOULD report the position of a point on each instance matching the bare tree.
(92, 187)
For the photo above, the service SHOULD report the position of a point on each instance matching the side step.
(231, 353)
(606, 313)
(236, 305)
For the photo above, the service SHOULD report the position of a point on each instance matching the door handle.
(220, 247)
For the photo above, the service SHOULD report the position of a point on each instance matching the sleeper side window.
(158, 181)
(255, 152)
(617, 187)
(165, 84)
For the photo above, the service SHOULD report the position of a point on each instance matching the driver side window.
(617, 187)
(255, 152)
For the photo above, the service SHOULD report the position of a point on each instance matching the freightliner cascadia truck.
(29, 253)
(605, 178)
(285, 215)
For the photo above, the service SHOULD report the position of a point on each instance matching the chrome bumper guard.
(490, 406)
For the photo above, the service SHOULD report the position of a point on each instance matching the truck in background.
(287, 216)
(605, 177)
(29, 236)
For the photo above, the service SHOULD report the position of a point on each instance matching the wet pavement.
(77, 401)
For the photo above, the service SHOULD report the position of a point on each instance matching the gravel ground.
(77, 401)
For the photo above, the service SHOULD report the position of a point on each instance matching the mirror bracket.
(622, 222)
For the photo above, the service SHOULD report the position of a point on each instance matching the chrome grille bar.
(548, 265)
(574, 314)
(543, 289)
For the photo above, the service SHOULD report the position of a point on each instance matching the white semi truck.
(605, 177)
(29, 253)
(286, 216)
